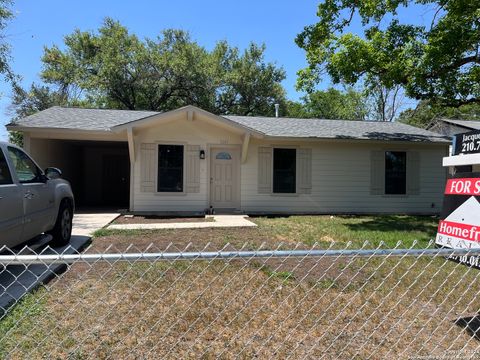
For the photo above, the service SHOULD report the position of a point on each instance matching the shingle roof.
(81, 119)
(470, 124)
(99, 119)
(337, 129)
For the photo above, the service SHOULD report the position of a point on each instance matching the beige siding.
(341, 181)
(187, 132)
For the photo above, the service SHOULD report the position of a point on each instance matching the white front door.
(225, 178)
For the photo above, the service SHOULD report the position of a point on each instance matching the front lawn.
(348, 307)
(292, 231)
(389, 229)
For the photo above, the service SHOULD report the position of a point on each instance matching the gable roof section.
(58, 117)
(338, 129)
(468, 124)
(69, 118)
(159, 117)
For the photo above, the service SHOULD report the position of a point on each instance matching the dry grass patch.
(379, 308)
(273, 308)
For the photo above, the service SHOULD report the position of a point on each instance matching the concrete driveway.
(18, 280)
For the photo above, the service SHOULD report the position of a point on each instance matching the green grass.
(389, 229)
(109, 232)
(24, 312)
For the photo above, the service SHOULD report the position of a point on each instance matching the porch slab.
(220, 221)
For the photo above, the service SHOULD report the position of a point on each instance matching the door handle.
(29, 195)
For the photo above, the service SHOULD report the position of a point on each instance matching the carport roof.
(59, 117)
(104, 120)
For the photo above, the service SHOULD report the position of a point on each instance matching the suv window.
(25, 168)
(5, 176)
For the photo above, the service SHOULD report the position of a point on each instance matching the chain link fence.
(240, 303)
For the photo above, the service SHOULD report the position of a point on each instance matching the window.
(284, 171)
(25, 168)
(395, 172)
(5, 177)
(223, 156)
(170, 168)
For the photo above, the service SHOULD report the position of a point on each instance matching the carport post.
(131, 152)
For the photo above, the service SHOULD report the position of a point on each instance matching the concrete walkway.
(219, 221)
(86, 223)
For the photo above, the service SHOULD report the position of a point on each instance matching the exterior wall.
(340, 172)
(340, 175)
(186, 132)
(341, 181)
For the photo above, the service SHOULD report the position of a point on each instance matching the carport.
(99, 171)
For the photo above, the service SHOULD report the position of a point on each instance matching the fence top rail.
(12, 259)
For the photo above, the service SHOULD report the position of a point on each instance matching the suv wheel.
(63, 226)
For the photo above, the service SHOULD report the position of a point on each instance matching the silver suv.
(32, 202)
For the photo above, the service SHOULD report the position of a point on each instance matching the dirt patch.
(159, 220)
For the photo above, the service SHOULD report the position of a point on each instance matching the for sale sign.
(467, 143)
(459, 227)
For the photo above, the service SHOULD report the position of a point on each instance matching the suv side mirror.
(53, 173)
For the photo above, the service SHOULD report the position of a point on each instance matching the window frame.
(295, 192)
(184, 179)
(8, 167)
(39, 179)
(385, 193)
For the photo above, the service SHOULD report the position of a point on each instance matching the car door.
(38, 197)
(11, 206)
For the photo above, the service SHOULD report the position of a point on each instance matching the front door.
(116, 179)
(225, 178)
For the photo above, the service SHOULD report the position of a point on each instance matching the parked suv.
(32, 202)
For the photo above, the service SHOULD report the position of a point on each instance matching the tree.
(5, 16)
(331, 104)
(438, 62)
(426, 114)
(115, 69)
(25, 103)
(383, 103)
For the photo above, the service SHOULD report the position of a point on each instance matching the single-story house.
(450, 127)
(188, 160)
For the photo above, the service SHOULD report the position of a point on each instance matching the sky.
(273, 22)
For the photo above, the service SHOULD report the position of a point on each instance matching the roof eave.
(314, 138)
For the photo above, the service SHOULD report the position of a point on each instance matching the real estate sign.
(459, 227)
(467, 143)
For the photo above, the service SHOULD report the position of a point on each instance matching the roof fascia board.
(56, 130)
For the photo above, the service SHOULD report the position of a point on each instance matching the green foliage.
(5, 16)
(438, 62)
(25, 103)
(115, 69)
(330, 104)
(425, 113)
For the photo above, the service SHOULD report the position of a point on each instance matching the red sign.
(463, 186)
(459, 227)
(459, 230)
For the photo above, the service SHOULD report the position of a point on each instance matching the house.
(188, 160)
(450, 127)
